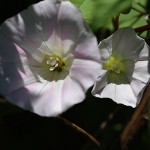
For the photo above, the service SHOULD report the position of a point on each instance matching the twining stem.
(137, 120)
(143, 28)
(116, 22)
(80, 130)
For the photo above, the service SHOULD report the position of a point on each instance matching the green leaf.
(77, 3)
(136, 17)
(99, 13)
(128, 9)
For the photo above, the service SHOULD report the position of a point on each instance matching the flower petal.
(109, 91)
(32, 26)
(42, 99)
(141, 71)
(12, 66)
(100, 83)
(133, 52)
(118, 93)
(82, 72)
(48, 99)
(138, 88)
(87, 48)
(127, 43)
(73, 93)
(38, 32)
(64, 38)
(105, 48)
(75, 34)
(145, 53)
(125, 95)
(17, 68)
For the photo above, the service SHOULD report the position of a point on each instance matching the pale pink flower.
(125, 68)
(48, 58)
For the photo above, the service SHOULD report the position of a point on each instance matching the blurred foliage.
(99, 13)
(102, 118)
(137, 17)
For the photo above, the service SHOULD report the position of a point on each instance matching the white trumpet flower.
(125, 68)
(48, 58)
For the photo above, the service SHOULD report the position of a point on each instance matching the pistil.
(54, 63)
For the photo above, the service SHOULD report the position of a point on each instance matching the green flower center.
(119, 70)
(55, 63)
(54, 67)
(114, 64)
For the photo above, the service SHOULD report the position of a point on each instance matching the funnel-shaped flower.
(48, 58)
(125, 72)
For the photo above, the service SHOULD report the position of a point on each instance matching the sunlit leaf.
(99, 13)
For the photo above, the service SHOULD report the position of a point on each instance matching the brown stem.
(80, 130)
(143, 28)
(136, 121)
(116, 22)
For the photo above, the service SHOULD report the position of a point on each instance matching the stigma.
(113, 64)
(55, 63)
